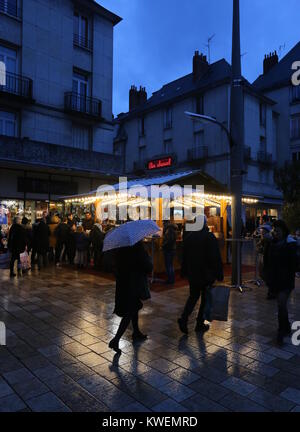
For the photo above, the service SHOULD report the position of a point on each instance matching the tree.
(287, 180)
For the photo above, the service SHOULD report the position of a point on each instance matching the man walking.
(202, 264)
(16, 244)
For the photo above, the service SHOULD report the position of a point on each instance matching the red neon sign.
(160, 163)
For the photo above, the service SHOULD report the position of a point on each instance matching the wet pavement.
(59, 323)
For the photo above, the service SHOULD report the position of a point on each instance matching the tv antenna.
(208, 46)
(281, 49)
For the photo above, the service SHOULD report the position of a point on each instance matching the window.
(199, 139)
(8, 124)
(168, 118)
(296, 156)
(262, 114)
(199, 108)
(80, 92)
(118, 148)
(295, 93)
(295, 127)
(10, 7)
(81, 137)
(81, 31)
(142, 126)
(168, 146)
(8, 56)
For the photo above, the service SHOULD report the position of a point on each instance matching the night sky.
(155, 42)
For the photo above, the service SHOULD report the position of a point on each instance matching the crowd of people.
(66, 240)
(54, 239)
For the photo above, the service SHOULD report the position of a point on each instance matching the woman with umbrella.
(132, 267)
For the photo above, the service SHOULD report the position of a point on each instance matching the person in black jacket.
(41, 240)
(202, 264)
(62, 233)
(88, 222)
(97, 237)
(132, 266)
(16, 243)
(280, 263)
(169, 249)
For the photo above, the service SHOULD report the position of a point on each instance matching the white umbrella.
(129, 234)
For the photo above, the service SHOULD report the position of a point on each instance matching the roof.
(100, 10)
(218, 73)
(280, 75)
(203, 179)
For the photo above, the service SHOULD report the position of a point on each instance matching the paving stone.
(30, 388)
(134, 407)
(199, 403)
(47, 403)
(5, 389)
(292, 395)
(91, 359)
(239, 386)
(177, 391)
(237, 403)
(169, 405)
(182, 375)
(270, 401)
(11, 403)
(18, 375)
(209, 389)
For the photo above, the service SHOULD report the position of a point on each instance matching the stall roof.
(201, 178)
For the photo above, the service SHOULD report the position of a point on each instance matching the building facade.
(276, 82)
(56, 129)
(156, 135)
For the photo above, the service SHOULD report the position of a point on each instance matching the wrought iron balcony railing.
(77, 103)
(197, 153)
(17, 85)
(11, 7)
(82, 42)
(264, 157)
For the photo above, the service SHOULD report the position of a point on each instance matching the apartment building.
(56, 129)
(155, 135)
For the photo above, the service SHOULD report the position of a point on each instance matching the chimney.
(270, 61)
(137, 97)
(200, 65)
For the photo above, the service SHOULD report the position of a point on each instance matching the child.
(82, 245)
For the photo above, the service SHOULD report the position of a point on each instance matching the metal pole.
(237, 134)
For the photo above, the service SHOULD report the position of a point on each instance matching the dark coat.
(169, 238)
(201, 258)
(17, 239)
(82, 242)
(280, 263)
(41, 235)
(88, 224)
(97, 238)
(132, 266)
(62, 233)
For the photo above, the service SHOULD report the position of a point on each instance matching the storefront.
(213, 199)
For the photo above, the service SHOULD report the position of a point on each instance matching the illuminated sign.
(160, 163)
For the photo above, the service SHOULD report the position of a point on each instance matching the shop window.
(81, 137)
(8, 124)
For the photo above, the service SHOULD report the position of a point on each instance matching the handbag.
(219, 300)
(24, 261)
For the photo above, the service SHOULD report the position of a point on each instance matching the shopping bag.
(4, 261)
(219, 297)
(24, 261)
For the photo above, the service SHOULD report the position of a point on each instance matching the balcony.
(264, 158)
(82, 42)
(197, 153)
(11, 8)
(46, 155)
(83, 106)
(17, 86)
